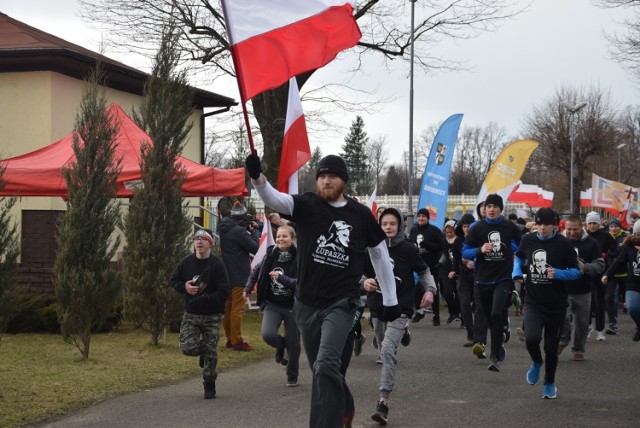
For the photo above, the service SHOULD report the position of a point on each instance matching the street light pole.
(572, 109)
(618, 149)
(410, 207)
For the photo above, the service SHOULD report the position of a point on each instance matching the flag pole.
(236, 66)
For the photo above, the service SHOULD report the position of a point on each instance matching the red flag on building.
(295, 145)
(273, 40)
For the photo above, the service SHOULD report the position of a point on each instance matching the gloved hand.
(253, 166)
(390, 313)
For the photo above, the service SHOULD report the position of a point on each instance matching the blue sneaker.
(549, 390)
(533, 374)
(502, 354)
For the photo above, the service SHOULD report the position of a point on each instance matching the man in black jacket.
(608, 246)
(428, 238)
(238, 239)
(591, 265)
(202, 278)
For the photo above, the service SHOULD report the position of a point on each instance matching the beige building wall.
(39, 108)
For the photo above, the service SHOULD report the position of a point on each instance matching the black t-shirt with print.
(557, 252)
(332, 245)
(497, 265)
(405, 260)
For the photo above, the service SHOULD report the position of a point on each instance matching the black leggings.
(535, 321)
(495, 300)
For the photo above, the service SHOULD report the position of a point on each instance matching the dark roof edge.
(78, 65)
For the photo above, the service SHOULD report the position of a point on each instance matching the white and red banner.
(266, 240)
(273, 40)
(532, 195)
(372, 202)
(295, 145)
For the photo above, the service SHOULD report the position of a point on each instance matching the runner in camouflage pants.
(199, 335)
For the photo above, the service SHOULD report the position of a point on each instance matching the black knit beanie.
(494, 199)
(424, 212)
(332, 164)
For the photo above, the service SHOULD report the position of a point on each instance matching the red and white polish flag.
(266, 240)
(295, 145)
(372, 202)
(273, 40)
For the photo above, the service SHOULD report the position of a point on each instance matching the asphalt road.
(439, 384)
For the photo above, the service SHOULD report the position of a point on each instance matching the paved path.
(439, 384)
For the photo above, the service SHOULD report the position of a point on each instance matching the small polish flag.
(372, 203)
(295, 144)
(266, 240)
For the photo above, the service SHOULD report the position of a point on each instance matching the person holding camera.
(202, 278)
(239, 237)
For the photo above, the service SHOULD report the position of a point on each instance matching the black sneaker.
(436, 322)
(280, 352)
(209, 390)
(406, 337)
(357, 344)
(417, 317)
(381, 414)
(292, 381)
(636, 335)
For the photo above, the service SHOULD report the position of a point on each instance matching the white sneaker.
(601, 337)
(590, 331)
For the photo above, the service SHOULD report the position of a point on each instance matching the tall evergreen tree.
(9, 251)
(86, 285)
(158, 224)
(354, 155)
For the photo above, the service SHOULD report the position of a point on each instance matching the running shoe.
(381, 415)
(612, 329)
(506, 334)
(242, 346)
(549, 390)
(417, 317)
(502, 353)
(479, 350)
(406, 337)
(452, 318)
(533, 374)
(494, 365)
(292, 381)
(561, 347)
(600, 336)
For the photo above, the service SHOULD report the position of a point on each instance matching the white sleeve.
(281, 202)
(384, 273)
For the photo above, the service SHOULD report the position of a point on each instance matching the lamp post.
(410, 208)
(618, 149)
(572, 109)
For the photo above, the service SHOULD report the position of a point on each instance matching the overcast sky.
(553, 43)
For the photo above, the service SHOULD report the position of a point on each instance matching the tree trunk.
(270, 110)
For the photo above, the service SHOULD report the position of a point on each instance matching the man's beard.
(330, 195)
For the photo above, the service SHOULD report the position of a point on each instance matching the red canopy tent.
(39, 173)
